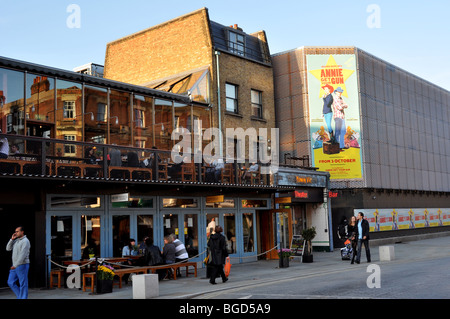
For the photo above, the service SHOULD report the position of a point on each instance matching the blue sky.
(413, 35)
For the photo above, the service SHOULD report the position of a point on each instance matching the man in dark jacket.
(219, 252)
(362, 234)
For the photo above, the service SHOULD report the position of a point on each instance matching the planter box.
(307, 258)
(283, 262)
(104, 286)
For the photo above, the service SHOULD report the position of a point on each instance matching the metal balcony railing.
(35, 157)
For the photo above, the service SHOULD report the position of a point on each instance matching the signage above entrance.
(116, 198)
(215, 199)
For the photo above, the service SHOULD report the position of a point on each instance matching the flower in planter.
(105, 272)
(284, 252)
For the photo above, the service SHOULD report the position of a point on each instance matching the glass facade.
(34, 104)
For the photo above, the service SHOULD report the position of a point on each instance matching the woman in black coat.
(218, 248)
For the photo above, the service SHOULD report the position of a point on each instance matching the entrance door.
(278, 227)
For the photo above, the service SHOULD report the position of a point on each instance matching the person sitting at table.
(115, 157)
(90, 158)
(153, 257)
(218, 165)
(130, 249)
(14, 150)
(247, 174)
(132, 159)
(181, 254)
(168, 254)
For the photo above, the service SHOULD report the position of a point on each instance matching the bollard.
(386, 253)
(145, 286)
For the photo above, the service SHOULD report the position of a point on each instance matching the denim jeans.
(340, 131)
(18, 281)
(328, 117)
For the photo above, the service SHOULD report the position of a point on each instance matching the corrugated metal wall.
(405, 123)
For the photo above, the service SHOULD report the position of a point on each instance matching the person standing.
(352, 225)
(218, 247)
(18, 274)
(362, 234)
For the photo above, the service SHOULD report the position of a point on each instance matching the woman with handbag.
(218, 248)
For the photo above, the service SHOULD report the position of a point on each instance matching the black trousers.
(366, 246)
(217, 270)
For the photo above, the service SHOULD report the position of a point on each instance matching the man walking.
(18, 274)
(362, 234)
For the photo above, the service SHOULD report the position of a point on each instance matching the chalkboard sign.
(297, 245)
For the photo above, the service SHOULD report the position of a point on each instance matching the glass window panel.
(229, 230)
(61, 241)
(254, 203)
(202, 121)
(170, 224)
(58, 202)
(11, 101)
(163, 124)
(256, 103)
(90, 236)
(227, 203)
(121, 233)
(40, 98)
(248, 232)
(143, 121)
(95, 115)
(68, 111)
(191, 234)
(231, 98)
(180, 202)
(120, 121)
(134, 202)
(144, 227)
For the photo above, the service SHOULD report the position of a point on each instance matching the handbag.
(207, 259)
(227, 267)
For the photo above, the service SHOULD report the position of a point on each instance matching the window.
(69, 109)
(256, 103)
(236, 43)
(231, 96)
(70, 149)
(101, 112)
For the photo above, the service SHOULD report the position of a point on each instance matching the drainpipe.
(219, 110)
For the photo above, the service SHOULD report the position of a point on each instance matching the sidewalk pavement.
(247, 274)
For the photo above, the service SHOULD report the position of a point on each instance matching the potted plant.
(105, 276)
(91, 253)
(284, 255)
(308, 235)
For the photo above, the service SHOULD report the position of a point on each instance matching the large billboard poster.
(404, 218)
(335, 127)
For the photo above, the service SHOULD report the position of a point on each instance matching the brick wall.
(169, 48)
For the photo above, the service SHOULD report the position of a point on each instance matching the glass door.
(61, 239)
(90, 236)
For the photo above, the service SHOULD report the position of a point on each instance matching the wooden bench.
(80, 169)
(18, 165)
(132, 270)
(128, 172)
(175, 267)
(144, 270)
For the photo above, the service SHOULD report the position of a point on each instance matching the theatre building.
(387, 152)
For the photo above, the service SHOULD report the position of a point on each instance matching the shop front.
(82, 225)
(304, 205)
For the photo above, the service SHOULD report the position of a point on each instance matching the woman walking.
(219, 253)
